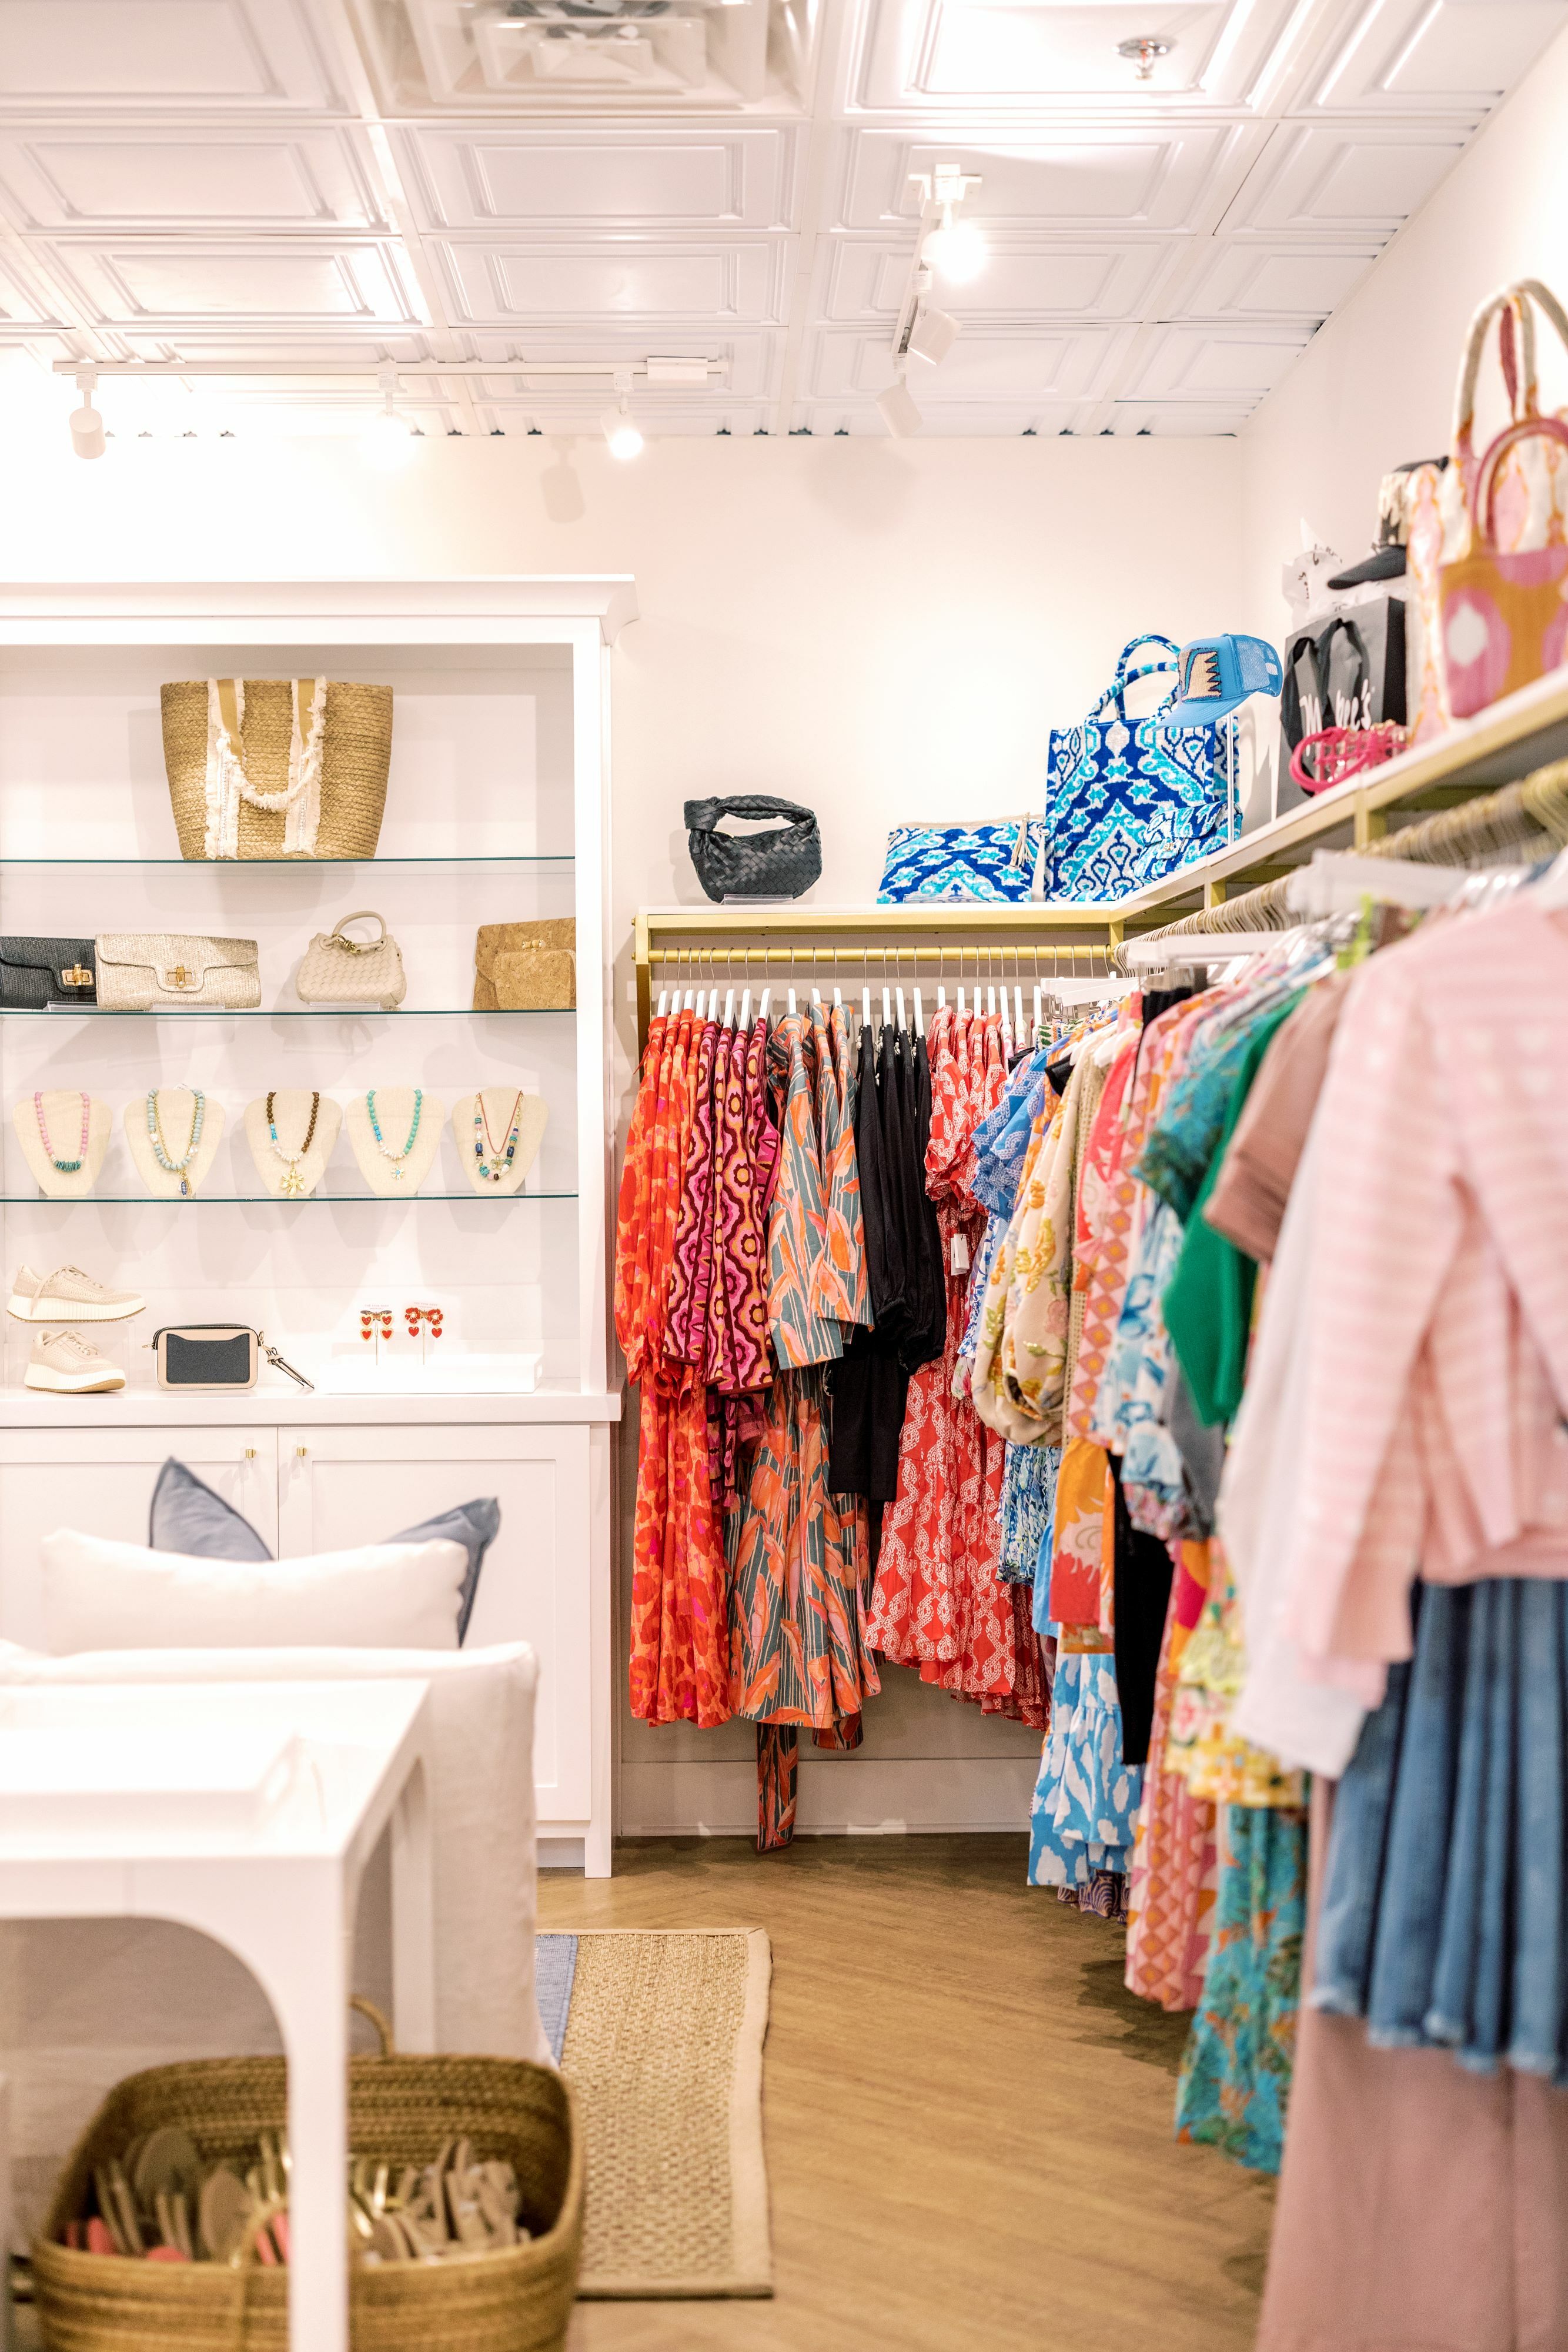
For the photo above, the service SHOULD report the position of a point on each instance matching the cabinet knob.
(303, 1451)
(250, 1453)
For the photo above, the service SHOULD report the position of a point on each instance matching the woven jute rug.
(663, 2050)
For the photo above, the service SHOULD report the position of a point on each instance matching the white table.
(248, 1811)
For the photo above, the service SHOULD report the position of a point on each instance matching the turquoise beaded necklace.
(395, 1158)
(491, 1161)
(172, 1167)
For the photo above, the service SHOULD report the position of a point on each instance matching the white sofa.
(83, 2002)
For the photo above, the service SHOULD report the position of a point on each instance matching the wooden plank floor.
(968, 2118)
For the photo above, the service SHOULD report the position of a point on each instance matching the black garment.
(869, 1386)
(1142, 1574)
(1202, 1450)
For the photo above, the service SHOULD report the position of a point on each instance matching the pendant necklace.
(293, 1183)
(64, 1167)
(492, 1159)
(397, 1159)
(170, 1166)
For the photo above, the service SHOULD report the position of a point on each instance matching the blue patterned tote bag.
(1127, 800)
(996, 863)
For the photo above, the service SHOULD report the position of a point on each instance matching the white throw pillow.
(101, 1595)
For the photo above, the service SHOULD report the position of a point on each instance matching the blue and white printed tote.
(1128, 801)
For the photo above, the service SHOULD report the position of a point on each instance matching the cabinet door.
(100, 1482)
(344, 1487)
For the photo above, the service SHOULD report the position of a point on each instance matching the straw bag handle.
(379, 2019)
(230, 693)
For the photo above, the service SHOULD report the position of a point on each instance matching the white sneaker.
(68, 1296)
(66, 1366)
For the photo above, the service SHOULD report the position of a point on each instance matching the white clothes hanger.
(886, 1010)
(902, 1017)
(664, 1001)
(767, 1000)
(729, 1010)
(746, 1010)
(919, 1015)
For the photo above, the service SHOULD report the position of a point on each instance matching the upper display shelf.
(240, 865)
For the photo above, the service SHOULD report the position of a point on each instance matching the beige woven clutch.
(526, 967)
(147, 971)
(337, 970)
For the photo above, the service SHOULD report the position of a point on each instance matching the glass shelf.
(288, 1013)
(240, 865)
(259, 1199)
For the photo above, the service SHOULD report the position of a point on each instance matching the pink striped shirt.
(1434, 1441)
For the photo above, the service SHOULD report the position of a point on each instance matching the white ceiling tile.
(1247, 279)
(619, 279)
(1217, 363)
(1021, 280)
(999, 52)
(1424, 53)
(1157, 177)
(1349, 178)
(149, 281)
(1014, 365)
(19, 305)
(486, 178)
(263, 54)
(92, 177)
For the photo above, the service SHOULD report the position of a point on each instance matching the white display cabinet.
(495, 812)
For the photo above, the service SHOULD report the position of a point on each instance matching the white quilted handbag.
(337, 970)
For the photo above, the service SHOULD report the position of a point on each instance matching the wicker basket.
(404, 2108)
(356, 752)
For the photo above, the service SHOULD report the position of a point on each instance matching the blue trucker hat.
(1216, 673)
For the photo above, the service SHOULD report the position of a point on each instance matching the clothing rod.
(1533, 812)
(996, 954)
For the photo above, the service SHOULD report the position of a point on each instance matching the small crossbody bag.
(217, 1357)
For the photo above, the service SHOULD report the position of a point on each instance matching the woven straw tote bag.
(277, 767)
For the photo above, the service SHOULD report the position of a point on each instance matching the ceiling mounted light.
(1144, 50)
(389, 436)
(897, 410)
(933, 335)
(956, 249)
(618, 423)
(87, 424)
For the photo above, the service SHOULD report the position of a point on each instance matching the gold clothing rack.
(695, 947)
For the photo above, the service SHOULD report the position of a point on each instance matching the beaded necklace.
(172, 1167)
(490, 1159)
(65, 1166)
(396, 1158)
(293, 1183)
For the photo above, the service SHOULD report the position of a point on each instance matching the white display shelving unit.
(496, 811)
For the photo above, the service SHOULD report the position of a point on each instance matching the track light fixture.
(87, 424)
(389, 436)
(933, 335)
(618, 423)
(897, 410)
(954, 248)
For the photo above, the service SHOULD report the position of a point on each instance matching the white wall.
(879, 630)
(1376, 386)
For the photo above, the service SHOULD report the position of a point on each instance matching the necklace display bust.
(289, 1171)
(387, 1167)
(63, 1110)
(498, 1110)
(176, 1111)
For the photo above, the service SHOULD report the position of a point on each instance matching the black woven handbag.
(779, 864)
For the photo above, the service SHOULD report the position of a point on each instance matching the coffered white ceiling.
(325, 180)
